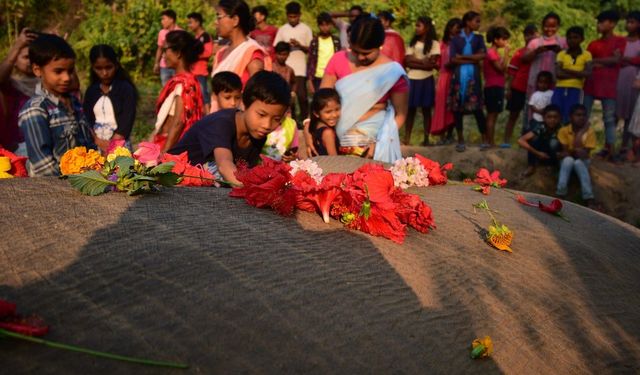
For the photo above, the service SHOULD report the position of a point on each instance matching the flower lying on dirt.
(309, 166)
(79, 159)
(481, 348)
(118, 151)
(437, 173)
(18, 163)
(500, 237)
(486, 180)
(409, 172)
(554, 208)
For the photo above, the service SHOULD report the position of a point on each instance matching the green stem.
(91, 352)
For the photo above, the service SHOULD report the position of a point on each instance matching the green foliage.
(90, 182)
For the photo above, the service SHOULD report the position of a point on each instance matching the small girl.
(111, 98)
(325, 113)
(442, 121)
(495, 68)
(421, 60)
(467, 51)
(180, 103)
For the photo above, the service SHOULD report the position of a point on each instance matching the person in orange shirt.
(200, 68)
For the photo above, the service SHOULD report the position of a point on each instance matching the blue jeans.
(204, 87)
(166, 74)
(581, 167)
(608, 116)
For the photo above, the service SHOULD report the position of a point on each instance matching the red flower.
(437, 173)
(373, 182)
(484, 189)
(524, 201)
(7, 308)
(383, 223)
(30, 326)
(266, 185)
(313, 196)
(193, 175)
(115, 143)
(484, 178)
(18, 163)
(553, 208)
(411, 210)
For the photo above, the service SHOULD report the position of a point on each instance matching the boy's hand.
(294, 42)
(543, 155)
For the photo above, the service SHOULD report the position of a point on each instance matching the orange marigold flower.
(481, 348)
(500, 237)
(79, 159)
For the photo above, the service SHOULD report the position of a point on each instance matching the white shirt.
(297, 59)
(105, 124)
(539, 100)
(418, 51)
(168, 107)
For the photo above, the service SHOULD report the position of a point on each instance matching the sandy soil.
(191, 275)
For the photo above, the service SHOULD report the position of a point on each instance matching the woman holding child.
(374, 92)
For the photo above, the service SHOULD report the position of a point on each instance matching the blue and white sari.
(359, 92)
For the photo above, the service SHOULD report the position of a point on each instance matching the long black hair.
(320, 100)
(469, 16)
(429, 38)
(107, 52)
(186, 44)
(497, 32)
(446, 37)
(367, 33)
(241, 9)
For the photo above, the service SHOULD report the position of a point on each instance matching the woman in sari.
(374, 92)
(243, 56)
(180, 101)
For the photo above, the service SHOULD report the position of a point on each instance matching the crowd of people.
(256, 88)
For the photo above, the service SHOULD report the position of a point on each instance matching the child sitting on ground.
(540, 99)
(325, 114)
(226, 88)
(52, 120)
(221, 139)
(577, 140)
(541, 141)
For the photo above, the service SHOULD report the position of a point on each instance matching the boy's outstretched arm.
(226, 167)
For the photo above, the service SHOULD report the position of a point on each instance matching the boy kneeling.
(577, 140)
(221, 139)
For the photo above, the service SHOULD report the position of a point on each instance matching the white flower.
(309, 166)
(409, 172)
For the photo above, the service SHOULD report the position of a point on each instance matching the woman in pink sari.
(442, 120)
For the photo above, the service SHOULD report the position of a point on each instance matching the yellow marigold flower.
(119, 151)
(78, 160)
(500, 237)
(481, 348)
(5, 167)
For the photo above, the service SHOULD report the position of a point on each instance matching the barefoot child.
(325, 113)
(495, 68)
(577, 140)
(540, 99)
(221, 139)
(227, 91)
(52, 120)
(516, 89)
(541, 142)
(573, 65)
(422, 59)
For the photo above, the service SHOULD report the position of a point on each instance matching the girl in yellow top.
(577, 140)
(573, 65)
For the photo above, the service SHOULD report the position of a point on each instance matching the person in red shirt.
(393, 46)
(607, 52)
(516, 92)
(200, 68)
(264, 33)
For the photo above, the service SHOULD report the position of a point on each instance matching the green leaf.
(141, 177)
(124, 164)
(168, 179)
(162, 168)
(90, 182)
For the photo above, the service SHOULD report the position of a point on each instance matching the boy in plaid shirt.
(52, 121)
